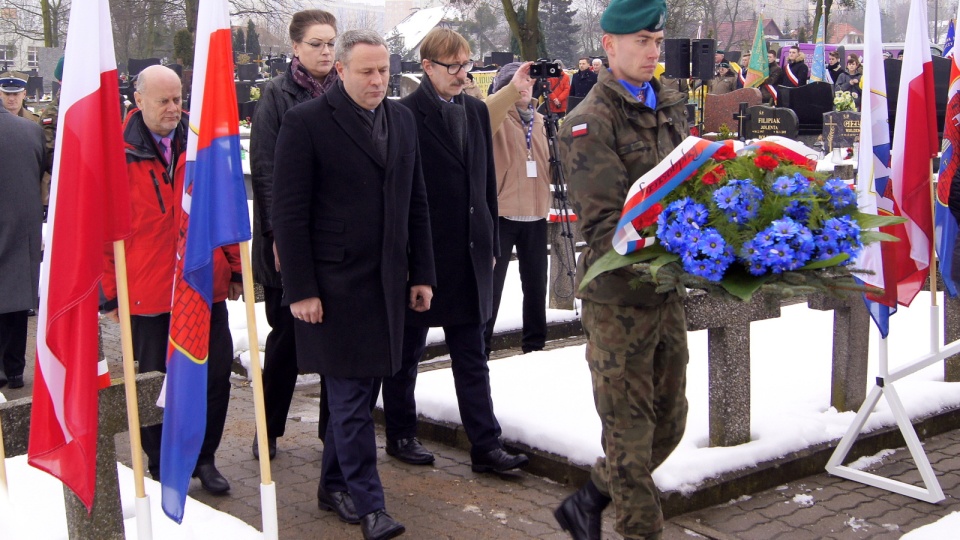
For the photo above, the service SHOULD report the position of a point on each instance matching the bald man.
(155, 134)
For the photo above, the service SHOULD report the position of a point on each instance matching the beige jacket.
(517, 194)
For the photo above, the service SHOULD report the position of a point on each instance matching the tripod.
(568, 265)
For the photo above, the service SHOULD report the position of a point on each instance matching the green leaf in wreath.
(662, 261)
(873, 221)
(826, 263)
(612, 260)
(869, 237)
(742, 284)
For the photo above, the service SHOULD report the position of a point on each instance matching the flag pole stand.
(268, 490)
(144, 520)
(931, 492)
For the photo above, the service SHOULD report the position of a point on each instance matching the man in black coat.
(352, 232)
(795, 73)
(580, 83)
(455, 138)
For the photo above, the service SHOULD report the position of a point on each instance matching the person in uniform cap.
(48, 121)
(13, 90)
(636, 337)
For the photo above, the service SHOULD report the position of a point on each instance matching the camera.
(545, 68)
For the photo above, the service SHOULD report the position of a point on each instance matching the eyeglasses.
(453, 69)
(321, 44)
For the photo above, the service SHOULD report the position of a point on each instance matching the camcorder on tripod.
(543, 70)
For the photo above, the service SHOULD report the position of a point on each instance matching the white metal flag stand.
(885, 388)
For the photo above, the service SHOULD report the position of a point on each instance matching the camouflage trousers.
(638, 362)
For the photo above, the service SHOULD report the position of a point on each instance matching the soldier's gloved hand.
(669, 279)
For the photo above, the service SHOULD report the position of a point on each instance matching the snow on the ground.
(946, 527)
(36, 499)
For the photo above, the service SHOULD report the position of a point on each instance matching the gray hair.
(147, 73)
(347, 40)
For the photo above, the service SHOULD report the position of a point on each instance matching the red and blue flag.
(214, 214)
(945, 226)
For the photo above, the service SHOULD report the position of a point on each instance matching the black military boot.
(581, 513)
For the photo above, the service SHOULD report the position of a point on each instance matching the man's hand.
(420, 297)
(112, 315)
(276, 258)
(235, 291)
(556, 102)
(521, 79)
(308, 310)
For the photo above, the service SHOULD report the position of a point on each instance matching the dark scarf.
(454, 114)
(305, 80)
(375, 124)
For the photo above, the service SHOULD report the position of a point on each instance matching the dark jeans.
(13, 342)
(530, 239)
(471, 379)
(150, 341)
(349, 461)
(280, 362)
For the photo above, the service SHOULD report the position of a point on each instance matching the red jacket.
(559, 89)
(151, 249)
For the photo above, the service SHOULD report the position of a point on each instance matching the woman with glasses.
(309, 75)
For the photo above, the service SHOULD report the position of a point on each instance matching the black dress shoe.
(581, 513)
(271, 447)
(409, 451)
(498, 460)
(211, 479)
(16, 381)
(340, 502)
(378, 525)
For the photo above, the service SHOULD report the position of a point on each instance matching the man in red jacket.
(156, 140)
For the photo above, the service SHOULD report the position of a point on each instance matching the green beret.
(58, 71)
(631, 16)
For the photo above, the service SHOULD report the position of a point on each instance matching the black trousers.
(280, 362)
(150, 341)
(471, 379)
(530, 239)
(13, 342)
(349, 461)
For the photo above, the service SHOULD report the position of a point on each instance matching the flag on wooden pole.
(89, 206)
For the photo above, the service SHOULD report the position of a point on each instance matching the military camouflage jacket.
(606, 144)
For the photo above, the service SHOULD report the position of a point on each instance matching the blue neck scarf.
(644, 93)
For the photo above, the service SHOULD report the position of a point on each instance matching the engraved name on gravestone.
(840, 129)
(766, 121)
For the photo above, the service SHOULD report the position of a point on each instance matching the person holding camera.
(636, 337)
(522, 161)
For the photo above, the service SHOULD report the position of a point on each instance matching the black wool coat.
(462, 193)
(279, 95)
(350, 230)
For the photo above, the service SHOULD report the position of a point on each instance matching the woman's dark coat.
(350, 230)
(278, 96)
(462, 192)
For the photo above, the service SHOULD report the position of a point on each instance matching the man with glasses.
(455, 141)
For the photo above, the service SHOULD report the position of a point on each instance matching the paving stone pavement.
(447, 500)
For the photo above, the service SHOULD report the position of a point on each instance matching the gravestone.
(243, 91)
(809, 101)
(840, 129)
(136, 65)
(277, 65)
(248, 72)
(765, 121)
(941, 81)
(718, 109)
(34, 87)
(246, 109)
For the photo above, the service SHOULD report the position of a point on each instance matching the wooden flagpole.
(144, 520)
(268, 490)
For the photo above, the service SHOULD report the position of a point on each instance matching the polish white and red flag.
(915, 143)
(89, 206)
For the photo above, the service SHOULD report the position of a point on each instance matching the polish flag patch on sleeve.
(579, 130)
(47, 121)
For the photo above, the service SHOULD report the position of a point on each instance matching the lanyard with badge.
(531, 164)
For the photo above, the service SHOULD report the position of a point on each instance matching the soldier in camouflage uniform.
(636, 338)
(48, 121)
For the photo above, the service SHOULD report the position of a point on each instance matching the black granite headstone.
(248, 72)
(840, 129)
(246, 109)
(765, 121)
(941, 81)
(809, 101)
(136, 65)
(243, 91)
(277, 65)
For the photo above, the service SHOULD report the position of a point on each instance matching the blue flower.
(726, 197)
(784, 185)
(711, 243)
(785, 228)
